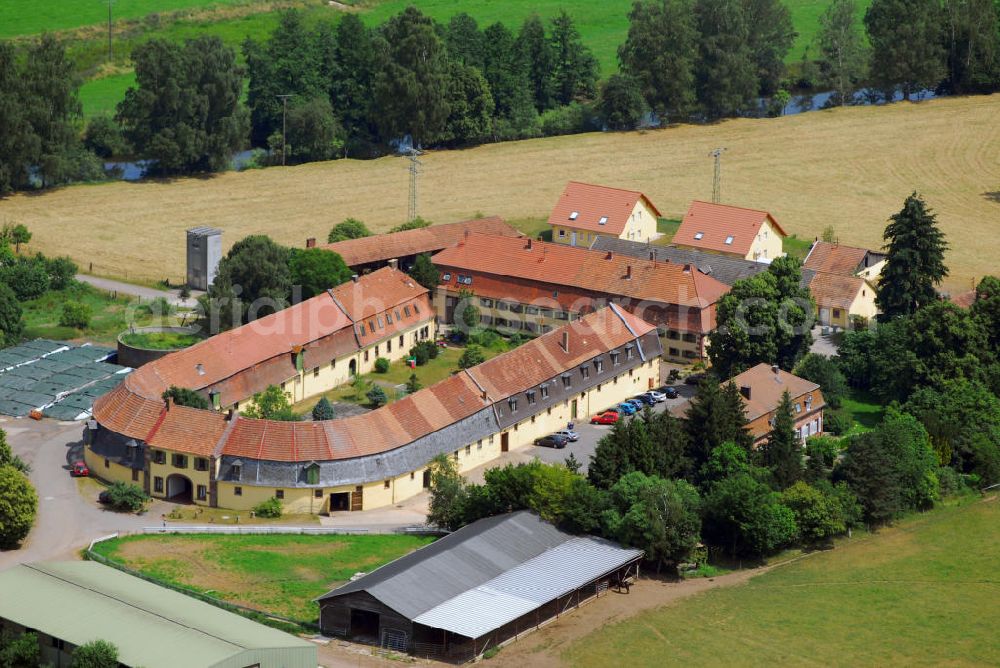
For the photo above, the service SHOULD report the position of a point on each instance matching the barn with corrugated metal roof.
(477, 587)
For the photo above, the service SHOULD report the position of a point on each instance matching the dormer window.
(371, 326)
(629, 351)
(614, 357)
(599, 365)
(530, 394)
(545, 390)
(200, 368)
(699, 235)
(574, 215)
(445, 277)
(381, 325)
(603, 220)
(729, 240)
(237, 469)
(567, 380)
(512, 402)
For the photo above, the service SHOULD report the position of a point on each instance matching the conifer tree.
(915, 247)
(782, 452)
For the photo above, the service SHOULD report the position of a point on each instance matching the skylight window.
(699, 235)
(603, 220)
(729, 239)
(573, 215)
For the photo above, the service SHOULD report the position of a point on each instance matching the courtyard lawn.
(921, 593)
(436, 370)
(276, 574)
(160, 340)
(796, 247)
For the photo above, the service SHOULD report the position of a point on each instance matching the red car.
(79, 470)
(608, 417)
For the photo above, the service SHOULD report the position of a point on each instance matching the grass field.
(850, 168)
(923, 593)
(160, 340)
(110, 316)
(276, 574)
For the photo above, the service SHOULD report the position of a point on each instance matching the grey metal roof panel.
(529, 585)
(467, 558)
(723, 268)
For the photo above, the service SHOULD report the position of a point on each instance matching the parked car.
(569, 435)
(645, 399)
(656, 395)
(694, 378)
(627, 408)
(607, 417)
(671, 393)
(79, 470)
(104, 497)
(551, 441)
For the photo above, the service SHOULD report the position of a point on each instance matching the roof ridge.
(220, 446)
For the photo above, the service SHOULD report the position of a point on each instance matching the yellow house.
(585, 212)
(840, 298)
(750, 234)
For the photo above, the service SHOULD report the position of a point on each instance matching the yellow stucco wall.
(167, 469)
(873, 272)
(863, 306)
(767, 245)
(107, 470)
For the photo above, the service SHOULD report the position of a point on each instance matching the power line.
(414, 169)
(284, 112)
(717, 181)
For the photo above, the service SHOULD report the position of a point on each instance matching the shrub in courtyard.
(381, 365)
(270, 508)
(424, 352)
(472, 356)
(75, 314)
(323, 410)
(376, 396)
(126, 497)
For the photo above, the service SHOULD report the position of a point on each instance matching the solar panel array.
(60, 379)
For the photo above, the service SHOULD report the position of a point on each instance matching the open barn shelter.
(476, 588)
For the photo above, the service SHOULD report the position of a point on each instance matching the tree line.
(345, 89)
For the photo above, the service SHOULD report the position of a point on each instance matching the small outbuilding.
(68, 604)
(477, 588)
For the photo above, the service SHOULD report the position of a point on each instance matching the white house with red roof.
(586, 211)
(750, 234)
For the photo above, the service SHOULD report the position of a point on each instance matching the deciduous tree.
(725, 75)
(11, 324)
(843, 53)
(906, 39)
(95, 654)
(424, 272)
(253, 280)
(271, 404)
(349, 228)
(620, 103)
(660, 53)
(770, 35)
(18, 505)
(745, 517)
(316, 270)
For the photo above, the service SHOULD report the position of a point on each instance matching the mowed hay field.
(850, 168)
(923, 593)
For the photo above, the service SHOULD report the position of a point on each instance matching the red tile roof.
(836, 290)
(223, 356)
(544, 358)
(204, 432)
(549, 264)
(964, 299)
(717, 222)
(383, 247)
(834, 258)
(591, 203)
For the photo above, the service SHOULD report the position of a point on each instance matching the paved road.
(66, 523)
(141, 291)
(589, 436)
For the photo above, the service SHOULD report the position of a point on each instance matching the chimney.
(609, 256)
(745, 391)
(628, 272)
(774, 370)
(230, 414)
(354, 277)
(687, 269)
(565, 341)
(394, 263)
(170, 402)
(311, 242)
(652, 255)
(484, 395)
(529, 244)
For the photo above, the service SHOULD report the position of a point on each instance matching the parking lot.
(591, 434)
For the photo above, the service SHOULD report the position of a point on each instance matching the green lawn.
(797, 247)
(923, 593)
(110, 316)
(100, 97)
(533, 227)
(436, 370)
(276, 574)
(865, 410)
(31, 17)
(160, 340)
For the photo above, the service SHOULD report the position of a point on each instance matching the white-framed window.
(729, 240)
(574, 215)
(699, 235)
(603, 220)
